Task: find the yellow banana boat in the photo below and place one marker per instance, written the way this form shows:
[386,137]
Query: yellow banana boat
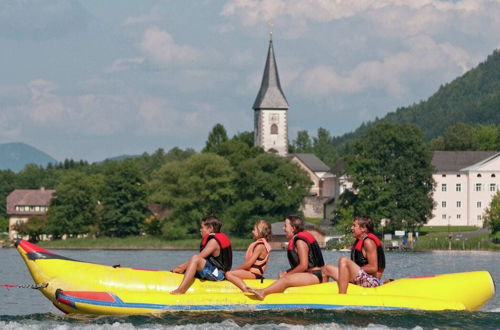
[85,288]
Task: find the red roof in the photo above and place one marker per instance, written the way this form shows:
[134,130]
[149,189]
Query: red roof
[28,197]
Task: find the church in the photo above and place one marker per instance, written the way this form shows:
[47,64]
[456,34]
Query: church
[271,134]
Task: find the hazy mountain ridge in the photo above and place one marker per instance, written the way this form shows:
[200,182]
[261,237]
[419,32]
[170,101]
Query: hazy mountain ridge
[15,155]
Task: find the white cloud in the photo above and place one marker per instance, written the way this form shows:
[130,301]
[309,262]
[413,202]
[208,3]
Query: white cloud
[152,17]
[393,73]
[124,64]
[161,47]
[45,107]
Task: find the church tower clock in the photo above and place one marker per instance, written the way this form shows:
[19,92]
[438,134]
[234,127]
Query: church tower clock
[271,109]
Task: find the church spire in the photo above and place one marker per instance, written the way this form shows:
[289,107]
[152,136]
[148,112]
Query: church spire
[270,95]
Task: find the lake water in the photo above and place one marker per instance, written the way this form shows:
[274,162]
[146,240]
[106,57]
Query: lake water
[27,308]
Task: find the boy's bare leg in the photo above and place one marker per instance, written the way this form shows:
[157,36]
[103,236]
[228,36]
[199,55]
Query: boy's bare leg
[330,271]
[196,263]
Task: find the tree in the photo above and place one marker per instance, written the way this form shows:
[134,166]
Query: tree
[458,138]
[323,147]
[267,186]
[8,184]
[73,210]
[486,137]
[123,200]
[35,227]
[217,136]
[391,173]
[245,137]
[492,214]
[193,188]
[303,143]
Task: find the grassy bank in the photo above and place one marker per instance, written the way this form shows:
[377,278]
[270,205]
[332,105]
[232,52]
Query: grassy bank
[134,243]
[454,238]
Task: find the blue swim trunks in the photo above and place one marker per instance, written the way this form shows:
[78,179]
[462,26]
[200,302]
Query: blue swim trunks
[210,273]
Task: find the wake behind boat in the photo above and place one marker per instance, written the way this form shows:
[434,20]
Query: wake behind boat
[86,288]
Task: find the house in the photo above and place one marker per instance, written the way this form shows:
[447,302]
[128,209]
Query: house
[22,204]
[323,184]
[278,238]
[465,182]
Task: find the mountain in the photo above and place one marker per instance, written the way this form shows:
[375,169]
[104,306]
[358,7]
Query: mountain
[14,156]
[473,98]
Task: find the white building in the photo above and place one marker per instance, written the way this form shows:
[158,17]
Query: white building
[465,183]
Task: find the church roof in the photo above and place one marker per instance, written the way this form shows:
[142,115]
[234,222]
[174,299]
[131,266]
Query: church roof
[270,94]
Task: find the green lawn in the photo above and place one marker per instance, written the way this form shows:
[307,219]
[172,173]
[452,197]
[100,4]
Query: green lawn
[134,242]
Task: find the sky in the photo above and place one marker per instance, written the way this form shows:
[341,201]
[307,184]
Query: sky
[94,79]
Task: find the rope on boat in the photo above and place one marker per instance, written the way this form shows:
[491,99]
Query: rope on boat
[25,286]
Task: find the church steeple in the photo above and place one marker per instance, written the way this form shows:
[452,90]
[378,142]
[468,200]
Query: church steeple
[270,95]
[271,109]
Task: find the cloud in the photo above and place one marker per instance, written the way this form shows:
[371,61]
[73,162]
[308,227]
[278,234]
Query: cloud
[124,64]
[393,73]
[152,17]
[161,47]
[40,19]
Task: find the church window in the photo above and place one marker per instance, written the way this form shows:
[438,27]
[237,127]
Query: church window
[274,129]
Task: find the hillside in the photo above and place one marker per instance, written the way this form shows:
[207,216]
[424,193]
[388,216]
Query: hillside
[473,98]
[14,156]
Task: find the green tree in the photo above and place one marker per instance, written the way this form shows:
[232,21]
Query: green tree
[323,147]
[4,224]
[217,136]
[8,184]
[392,176]
[73,210]
[245,137]
[302,144]
[192,189]
[458,138]
[267,186]
[492,214]
[123,200]
[34,228]
[486,137]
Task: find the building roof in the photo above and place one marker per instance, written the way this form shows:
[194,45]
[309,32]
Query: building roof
[312,162]
[454,161]
[28,197]
[270,95]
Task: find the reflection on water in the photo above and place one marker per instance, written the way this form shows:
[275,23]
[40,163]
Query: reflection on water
[21,308]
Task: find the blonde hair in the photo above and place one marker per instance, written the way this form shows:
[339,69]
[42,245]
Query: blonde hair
[263,228]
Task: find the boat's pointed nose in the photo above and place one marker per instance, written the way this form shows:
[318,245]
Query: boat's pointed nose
[28,247]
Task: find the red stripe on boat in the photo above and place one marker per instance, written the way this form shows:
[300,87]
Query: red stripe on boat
[30,247]
[91,295]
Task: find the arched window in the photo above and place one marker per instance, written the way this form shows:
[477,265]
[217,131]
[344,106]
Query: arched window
[274,129]
[493,175]
[479,175]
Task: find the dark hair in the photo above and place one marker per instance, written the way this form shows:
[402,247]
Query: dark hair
[365,222]
[263,228]
[212,221]
[296,222]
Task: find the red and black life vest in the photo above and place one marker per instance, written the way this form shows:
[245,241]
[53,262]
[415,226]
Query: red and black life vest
[315,257]
[225,259]
[357,253]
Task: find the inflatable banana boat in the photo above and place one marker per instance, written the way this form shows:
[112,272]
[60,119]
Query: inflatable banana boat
[85,288]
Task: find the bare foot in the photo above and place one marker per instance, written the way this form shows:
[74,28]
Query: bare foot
[177,291]
[257,293]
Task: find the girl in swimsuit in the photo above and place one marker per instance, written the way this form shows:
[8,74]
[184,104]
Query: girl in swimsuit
[256,257]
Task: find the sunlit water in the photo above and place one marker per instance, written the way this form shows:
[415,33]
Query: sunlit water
[28,309]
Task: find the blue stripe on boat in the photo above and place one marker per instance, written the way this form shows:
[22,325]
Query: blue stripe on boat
[120,304]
